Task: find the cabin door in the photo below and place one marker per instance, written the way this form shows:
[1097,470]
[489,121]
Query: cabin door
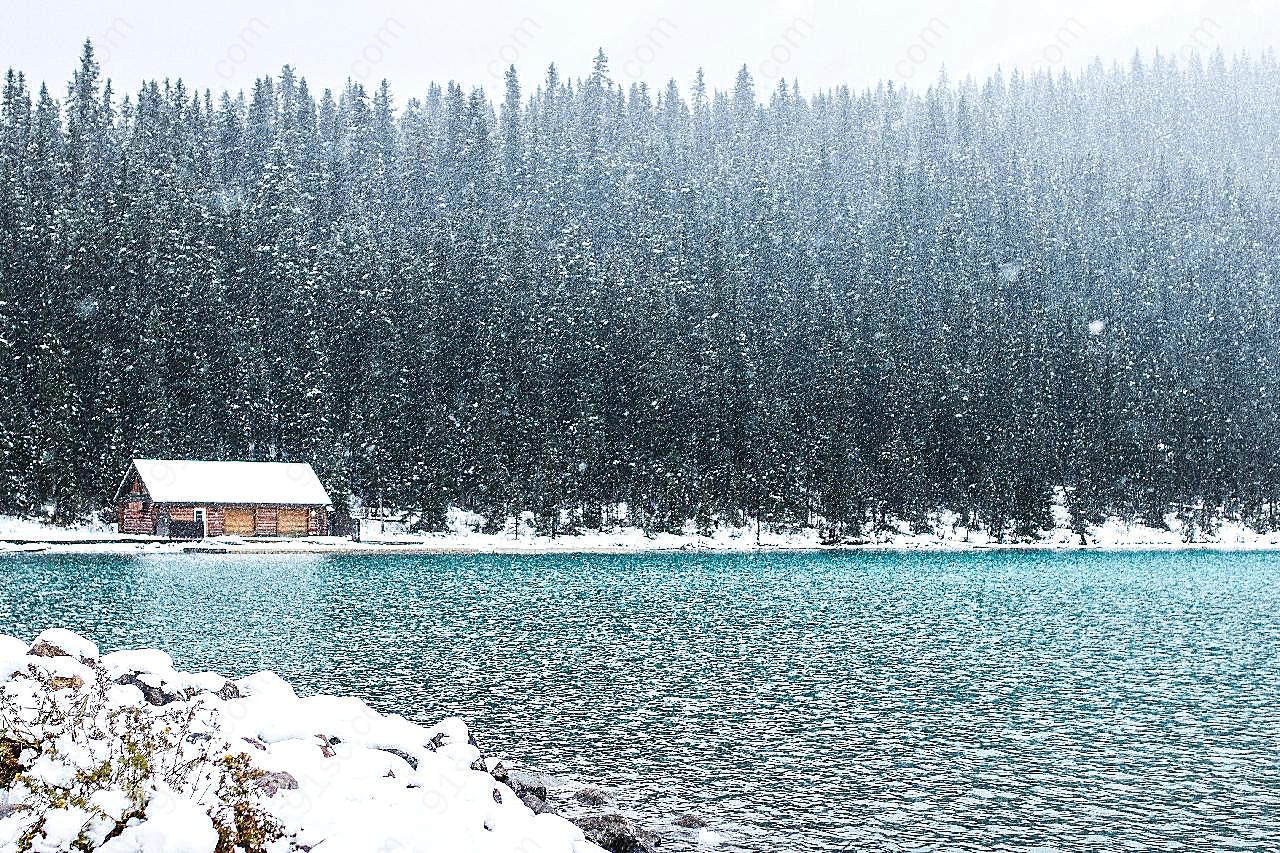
[239,521]
[292,522]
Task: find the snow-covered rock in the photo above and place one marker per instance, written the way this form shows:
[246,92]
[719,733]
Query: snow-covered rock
[151,672]
[90,755]
[59,642]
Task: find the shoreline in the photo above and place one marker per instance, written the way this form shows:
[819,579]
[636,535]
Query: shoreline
[444,545]
[944,534]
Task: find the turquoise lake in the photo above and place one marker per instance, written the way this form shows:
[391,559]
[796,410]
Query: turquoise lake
[877,701]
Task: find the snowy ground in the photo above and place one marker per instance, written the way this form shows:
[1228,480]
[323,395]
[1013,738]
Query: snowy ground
[121,753]
[16,527]
[18,534]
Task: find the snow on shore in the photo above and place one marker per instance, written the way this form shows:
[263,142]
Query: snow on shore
[944,534]
[463,536]
[121,753]
[18,527]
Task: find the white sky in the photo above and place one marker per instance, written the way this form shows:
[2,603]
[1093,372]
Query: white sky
[226,43]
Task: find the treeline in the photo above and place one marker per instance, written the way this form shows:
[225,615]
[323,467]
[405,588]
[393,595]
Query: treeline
[702,304]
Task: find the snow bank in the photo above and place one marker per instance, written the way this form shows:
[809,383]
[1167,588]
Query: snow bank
[125,754]
[943,531]
[21,527]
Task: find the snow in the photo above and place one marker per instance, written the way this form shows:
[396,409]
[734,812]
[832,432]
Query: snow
[62,827]
[19,527]
[136,660]
[329,780]
[708,838]
[945,532]
[178,826]
[13,653]
[463,534]
[191,481]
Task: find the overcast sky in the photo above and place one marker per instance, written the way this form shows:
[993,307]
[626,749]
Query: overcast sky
[226,44]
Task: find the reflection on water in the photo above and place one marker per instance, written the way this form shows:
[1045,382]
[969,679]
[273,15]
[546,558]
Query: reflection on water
[795,701]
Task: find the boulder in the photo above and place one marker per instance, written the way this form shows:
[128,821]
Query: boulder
[138,660]
[277,780]
[151,671]
[59,642]
[535,804]
[264,684]
[525,783]
[690,821]
[591,796]
[617,834]
[399,753]
[209,682]
[529,788]
[153,694]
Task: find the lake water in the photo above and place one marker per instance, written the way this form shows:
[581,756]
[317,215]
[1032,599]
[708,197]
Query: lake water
[989,701]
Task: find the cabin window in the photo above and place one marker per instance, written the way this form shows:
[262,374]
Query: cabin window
[199,515]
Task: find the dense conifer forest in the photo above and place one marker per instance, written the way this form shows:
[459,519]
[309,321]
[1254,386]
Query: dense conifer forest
[761,303]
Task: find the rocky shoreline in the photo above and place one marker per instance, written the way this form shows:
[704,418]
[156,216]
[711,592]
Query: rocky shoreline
[122,753]
[609,829]
[602,819]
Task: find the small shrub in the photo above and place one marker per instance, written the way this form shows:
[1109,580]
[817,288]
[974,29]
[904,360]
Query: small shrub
[241,824]
[10,763]
[135,750]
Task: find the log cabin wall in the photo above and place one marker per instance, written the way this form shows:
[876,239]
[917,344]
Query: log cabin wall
[264,521]
[214,521]
[136,518]
[179,512]
[214,516]
[266,518]
[317,522]
[134,514]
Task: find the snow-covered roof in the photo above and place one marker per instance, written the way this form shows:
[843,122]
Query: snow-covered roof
[191,481]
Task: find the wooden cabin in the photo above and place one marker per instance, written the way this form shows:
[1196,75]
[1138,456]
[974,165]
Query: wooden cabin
[191,499]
